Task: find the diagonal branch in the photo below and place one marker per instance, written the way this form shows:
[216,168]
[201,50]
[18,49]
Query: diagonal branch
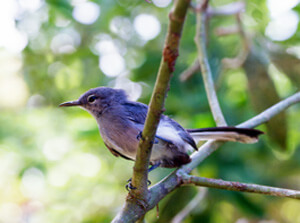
[173,181]
[190,206]
[141,200]
[237,186]
[189,72]
[270,112]
[200,41]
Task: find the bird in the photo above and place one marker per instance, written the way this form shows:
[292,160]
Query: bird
[121,123]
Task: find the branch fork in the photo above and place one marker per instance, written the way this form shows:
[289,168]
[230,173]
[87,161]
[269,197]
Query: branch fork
[142,199]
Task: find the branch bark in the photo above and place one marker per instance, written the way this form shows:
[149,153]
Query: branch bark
[137,200]
[141,200]
[191,206]
[226,10]
[173,181]
[237,186]
[200,41]
[188,73]
[270,112]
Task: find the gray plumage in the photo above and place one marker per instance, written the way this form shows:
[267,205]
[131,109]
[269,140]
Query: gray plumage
[121,121]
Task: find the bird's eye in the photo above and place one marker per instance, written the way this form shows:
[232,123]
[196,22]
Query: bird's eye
[91,99]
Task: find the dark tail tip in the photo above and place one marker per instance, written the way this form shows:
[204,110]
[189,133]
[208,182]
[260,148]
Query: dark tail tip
[246,131]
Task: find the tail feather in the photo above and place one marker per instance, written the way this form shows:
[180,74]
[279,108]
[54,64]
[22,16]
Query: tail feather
[244,135]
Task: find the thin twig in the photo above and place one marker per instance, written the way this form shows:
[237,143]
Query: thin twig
[225,10]
[209,147]
[141,220]
[237,186]
[191,206]
[200,40]
[270,112]
[239,60]
[188,73]
[173,181]
[226,31]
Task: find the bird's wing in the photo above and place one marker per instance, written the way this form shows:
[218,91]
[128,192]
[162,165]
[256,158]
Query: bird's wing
[183,134]
[136,112]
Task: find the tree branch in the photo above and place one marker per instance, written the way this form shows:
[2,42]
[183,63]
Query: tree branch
[200,41]
[188,73]
[141,200]
[226,10]
[137,200]
[237,186]
[171,182]
[271,112]
[239,60]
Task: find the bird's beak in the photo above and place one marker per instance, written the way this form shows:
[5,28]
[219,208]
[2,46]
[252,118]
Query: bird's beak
[70,103]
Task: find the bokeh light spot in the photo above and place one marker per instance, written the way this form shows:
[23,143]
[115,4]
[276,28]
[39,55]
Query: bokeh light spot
[283,27]
[31,5]
[56,148]
[122,27]
[112,64]
[33,183]
[87,165]
[57,177]
[133,90]
[147,26]
[13,92]
[105,47]
[86,12]
[63,43]
[12,39]
[10,212]
[277,7]
[161,3]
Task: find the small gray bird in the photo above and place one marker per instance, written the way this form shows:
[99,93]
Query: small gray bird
[121,122]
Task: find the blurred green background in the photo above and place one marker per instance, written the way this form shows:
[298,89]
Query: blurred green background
[53,164]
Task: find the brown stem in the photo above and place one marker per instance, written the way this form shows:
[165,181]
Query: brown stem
[237,186]
[137,200]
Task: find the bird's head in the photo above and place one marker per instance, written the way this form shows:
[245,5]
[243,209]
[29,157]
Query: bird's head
[96,100]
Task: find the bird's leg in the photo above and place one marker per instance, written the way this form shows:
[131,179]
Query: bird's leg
[129,185]
[140,136]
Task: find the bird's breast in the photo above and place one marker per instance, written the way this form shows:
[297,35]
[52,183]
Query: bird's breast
[121,137]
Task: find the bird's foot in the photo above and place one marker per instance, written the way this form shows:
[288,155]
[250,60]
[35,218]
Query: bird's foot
[129,185]
[140,136]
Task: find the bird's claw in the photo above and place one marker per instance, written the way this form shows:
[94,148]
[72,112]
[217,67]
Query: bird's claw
[140,136]
[129,185]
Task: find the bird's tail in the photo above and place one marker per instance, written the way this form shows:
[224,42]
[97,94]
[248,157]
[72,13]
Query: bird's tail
[243,135]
